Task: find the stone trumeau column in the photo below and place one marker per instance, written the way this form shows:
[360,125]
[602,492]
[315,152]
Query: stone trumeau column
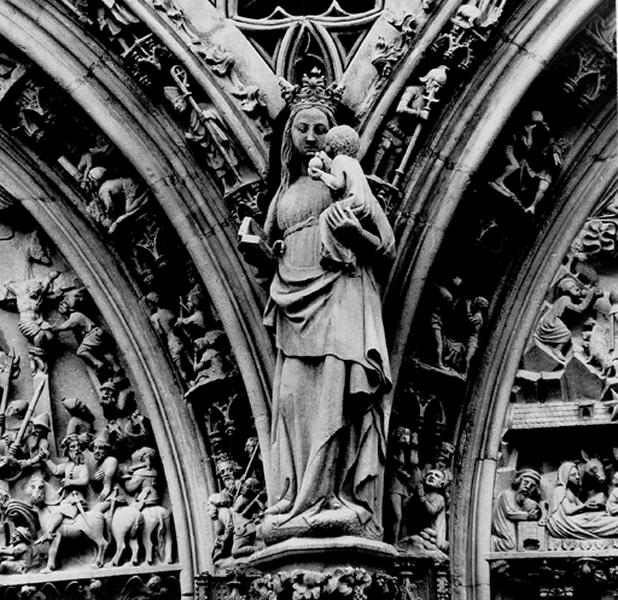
[308,300]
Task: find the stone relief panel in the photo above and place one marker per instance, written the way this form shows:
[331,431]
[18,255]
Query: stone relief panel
[417,467]
[555,493]
[120,205]
[136,587]
[81,483]
[502,210]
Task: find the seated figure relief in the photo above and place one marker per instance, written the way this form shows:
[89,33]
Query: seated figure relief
[575,502]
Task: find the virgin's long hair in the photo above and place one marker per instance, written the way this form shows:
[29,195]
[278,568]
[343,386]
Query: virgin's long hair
[291,166]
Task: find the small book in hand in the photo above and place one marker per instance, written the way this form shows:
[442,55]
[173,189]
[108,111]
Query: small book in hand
[252,243]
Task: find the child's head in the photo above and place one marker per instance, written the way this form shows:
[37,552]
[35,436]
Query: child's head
[342,139]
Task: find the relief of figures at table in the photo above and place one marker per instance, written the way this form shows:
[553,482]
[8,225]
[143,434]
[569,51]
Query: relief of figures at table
[81,483]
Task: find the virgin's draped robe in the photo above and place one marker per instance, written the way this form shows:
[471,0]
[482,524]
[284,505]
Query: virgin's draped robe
[328,422]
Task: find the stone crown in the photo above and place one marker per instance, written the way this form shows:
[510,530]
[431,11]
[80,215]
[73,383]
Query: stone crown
[314,91]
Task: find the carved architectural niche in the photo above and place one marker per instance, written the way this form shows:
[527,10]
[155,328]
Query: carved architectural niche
[588,69]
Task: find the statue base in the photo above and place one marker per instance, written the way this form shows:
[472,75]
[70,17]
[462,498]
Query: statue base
[327,568]
[323,554]
[320,524]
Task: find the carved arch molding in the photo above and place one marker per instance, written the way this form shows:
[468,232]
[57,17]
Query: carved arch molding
[135,369]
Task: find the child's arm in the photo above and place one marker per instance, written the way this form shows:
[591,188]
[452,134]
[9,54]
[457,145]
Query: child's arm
[333,181]
[337,178]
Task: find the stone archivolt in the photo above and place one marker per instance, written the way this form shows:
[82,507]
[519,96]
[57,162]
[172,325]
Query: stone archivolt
[548,505]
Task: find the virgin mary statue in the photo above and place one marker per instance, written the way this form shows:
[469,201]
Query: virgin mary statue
[328,414]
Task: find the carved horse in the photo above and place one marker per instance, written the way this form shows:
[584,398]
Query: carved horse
[157,523]
[44,502]
[593,480]
[126,522]
[152,521]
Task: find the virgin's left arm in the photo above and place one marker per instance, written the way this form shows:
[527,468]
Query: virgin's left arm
[351,232]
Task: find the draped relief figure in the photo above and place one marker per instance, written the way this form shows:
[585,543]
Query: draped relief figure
[328,415]
[518,503]
[570,515]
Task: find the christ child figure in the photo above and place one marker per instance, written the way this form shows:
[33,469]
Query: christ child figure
[338,167]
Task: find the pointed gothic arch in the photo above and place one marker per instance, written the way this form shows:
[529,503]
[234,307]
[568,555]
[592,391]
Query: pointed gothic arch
[470,121]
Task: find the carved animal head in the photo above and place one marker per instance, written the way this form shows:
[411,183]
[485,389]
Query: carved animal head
[592,470]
